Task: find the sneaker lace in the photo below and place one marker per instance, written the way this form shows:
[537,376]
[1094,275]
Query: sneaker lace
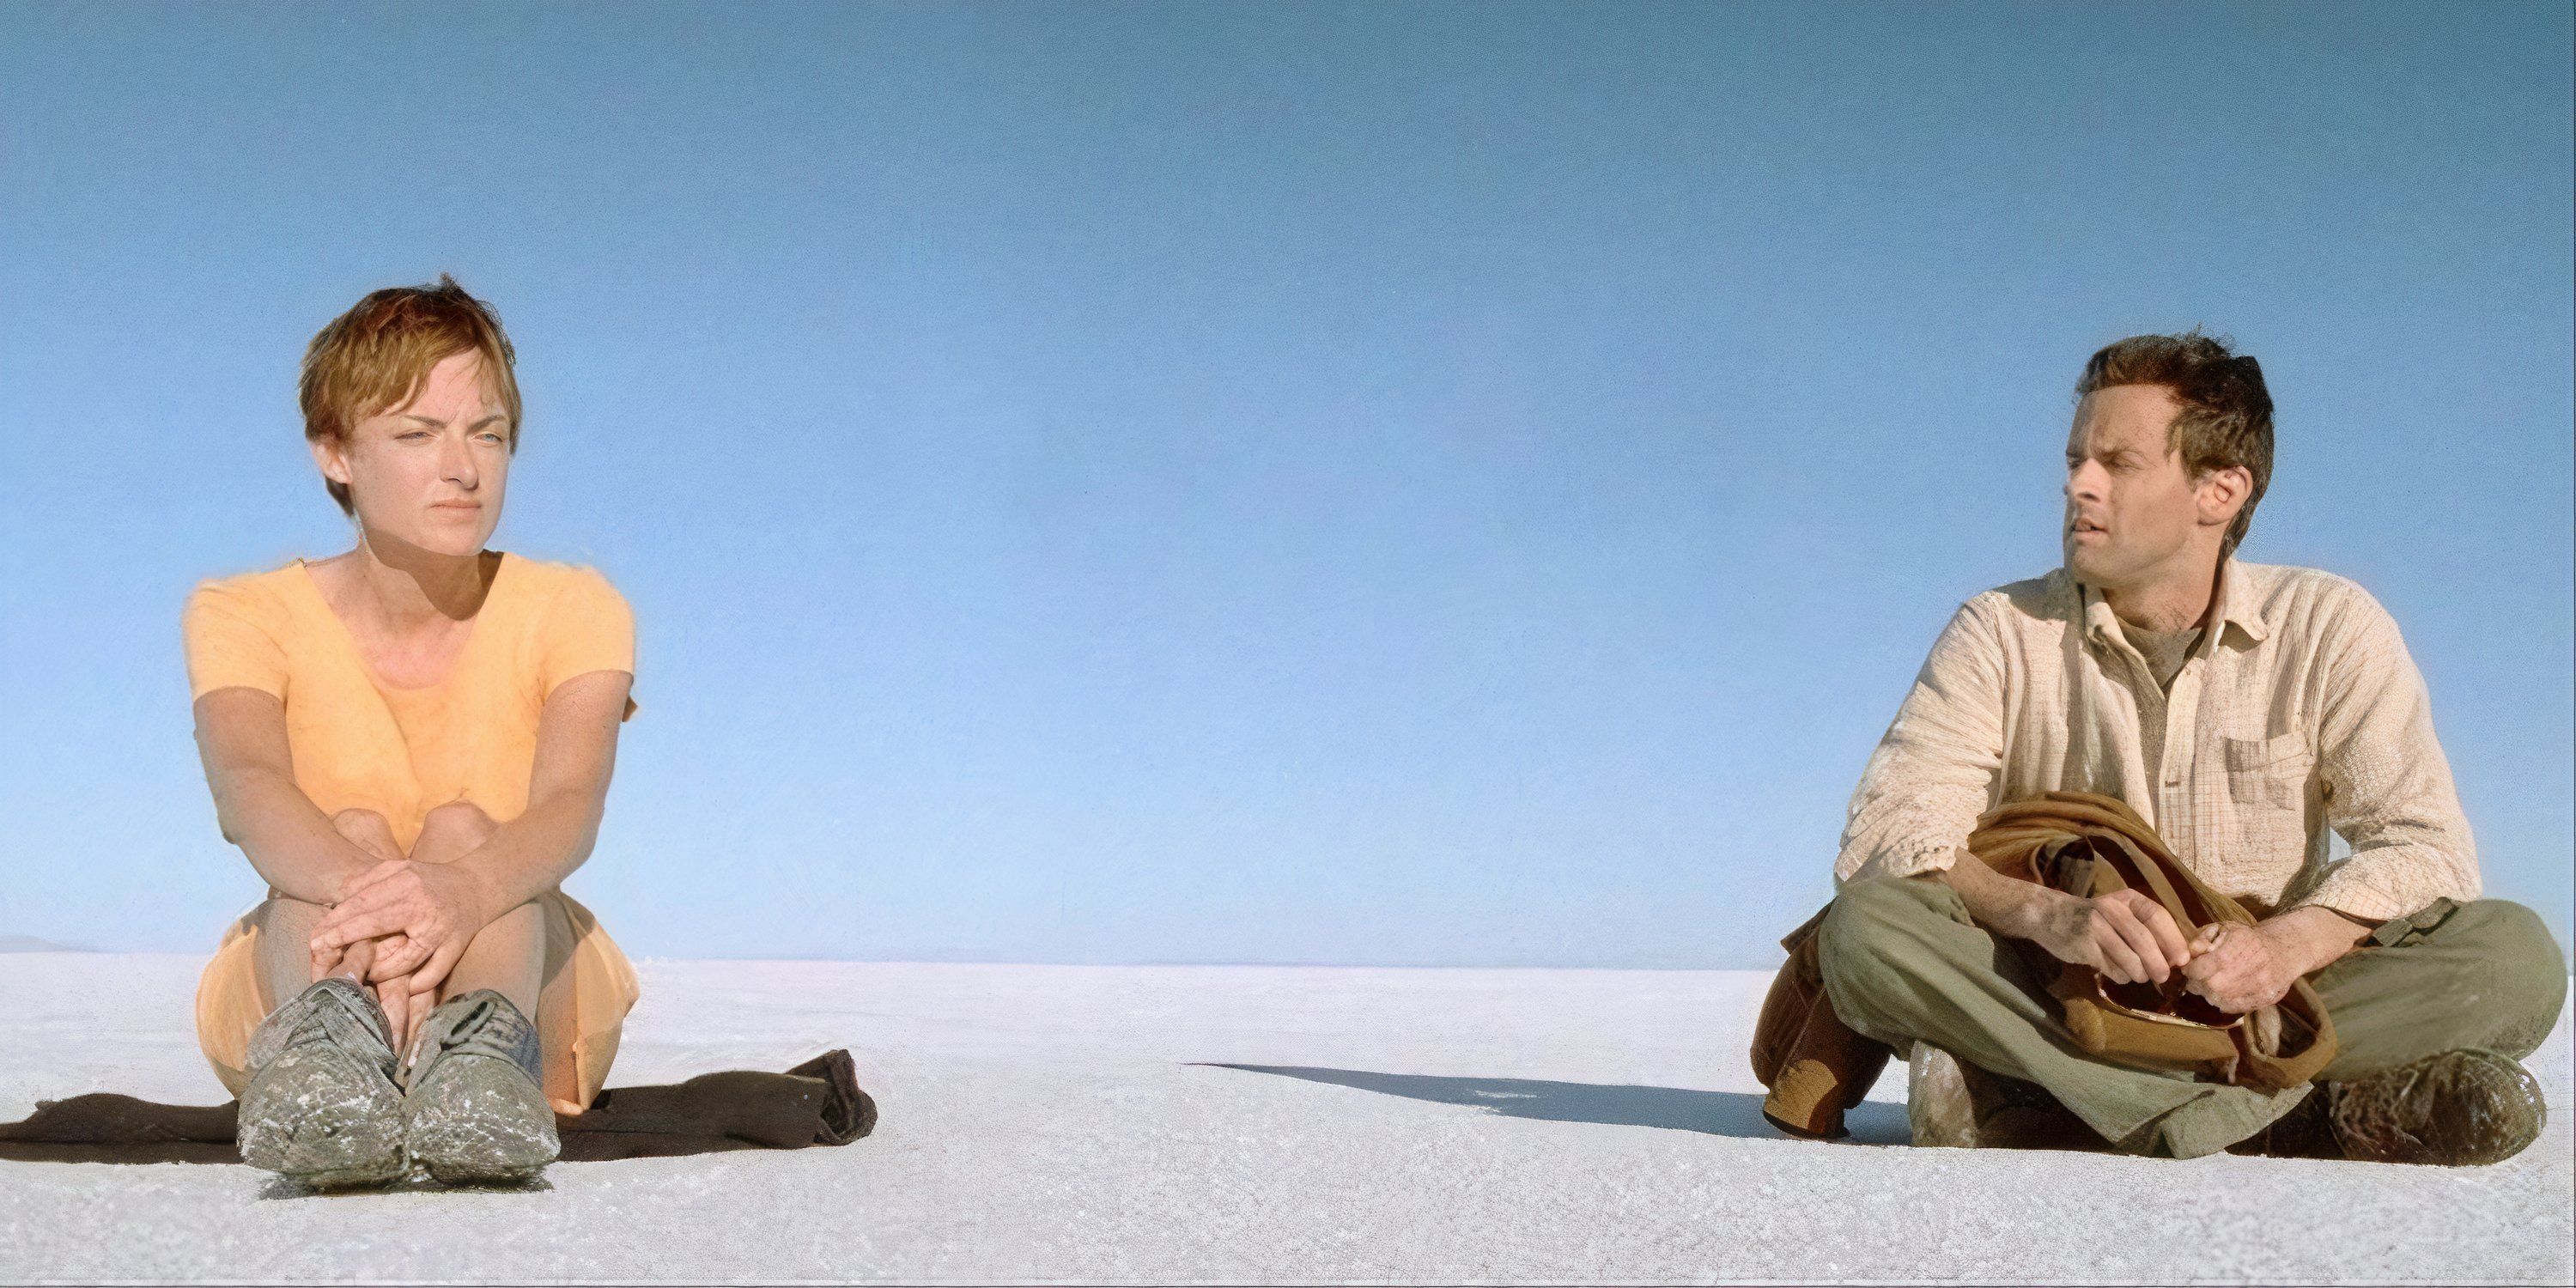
[337,1013]
[488,1025]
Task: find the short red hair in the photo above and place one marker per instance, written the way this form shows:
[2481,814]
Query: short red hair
[376,356]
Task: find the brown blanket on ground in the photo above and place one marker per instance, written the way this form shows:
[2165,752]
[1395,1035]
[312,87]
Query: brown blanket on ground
[815,1103]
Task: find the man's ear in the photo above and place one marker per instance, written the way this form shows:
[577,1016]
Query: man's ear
[2221,493]
[327,456]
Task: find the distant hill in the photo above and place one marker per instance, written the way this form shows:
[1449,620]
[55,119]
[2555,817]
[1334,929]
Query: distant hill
[31,944]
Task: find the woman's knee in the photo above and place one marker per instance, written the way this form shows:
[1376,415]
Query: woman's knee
[508,953]
[452,829]
[520,927]
[282,915]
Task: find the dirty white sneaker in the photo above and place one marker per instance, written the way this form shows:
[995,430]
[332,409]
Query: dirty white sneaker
[321,1108]
[476,1112]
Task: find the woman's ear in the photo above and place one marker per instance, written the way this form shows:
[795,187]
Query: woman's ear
[329,458]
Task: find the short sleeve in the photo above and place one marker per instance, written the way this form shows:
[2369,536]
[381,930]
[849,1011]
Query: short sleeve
[232,639]
[587,627]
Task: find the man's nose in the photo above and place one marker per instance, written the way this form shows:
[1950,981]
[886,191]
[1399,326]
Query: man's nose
[2085,480]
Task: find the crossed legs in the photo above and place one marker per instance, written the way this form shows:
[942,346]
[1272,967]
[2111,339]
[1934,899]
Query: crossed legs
[1903,961]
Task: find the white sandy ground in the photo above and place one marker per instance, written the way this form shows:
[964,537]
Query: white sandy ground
[1048,1123]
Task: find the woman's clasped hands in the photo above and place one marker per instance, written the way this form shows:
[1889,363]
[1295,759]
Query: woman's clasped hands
[401,924]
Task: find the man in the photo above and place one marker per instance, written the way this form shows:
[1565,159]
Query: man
[2244,711]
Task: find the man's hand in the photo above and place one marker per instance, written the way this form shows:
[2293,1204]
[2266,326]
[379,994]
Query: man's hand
[2245,968]
[2240,968]
[2127,936]
[435,909]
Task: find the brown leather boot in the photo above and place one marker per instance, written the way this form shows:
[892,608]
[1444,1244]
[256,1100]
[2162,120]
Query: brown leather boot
[2455,1109]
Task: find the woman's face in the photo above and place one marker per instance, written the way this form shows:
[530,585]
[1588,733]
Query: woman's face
[431,472]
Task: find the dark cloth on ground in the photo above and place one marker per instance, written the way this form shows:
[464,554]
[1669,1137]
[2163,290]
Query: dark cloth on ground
[816,1103]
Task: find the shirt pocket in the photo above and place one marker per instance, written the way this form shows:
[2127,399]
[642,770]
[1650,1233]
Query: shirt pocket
[2268,773]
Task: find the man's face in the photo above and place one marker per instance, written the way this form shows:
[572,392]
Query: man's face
[2131,509]
[431,472]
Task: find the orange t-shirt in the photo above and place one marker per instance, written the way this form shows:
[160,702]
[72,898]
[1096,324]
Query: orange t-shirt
[360,743]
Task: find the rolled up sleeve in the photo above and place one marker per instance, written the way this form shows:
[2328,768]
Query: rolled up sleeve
[2389,791]
[1934,771]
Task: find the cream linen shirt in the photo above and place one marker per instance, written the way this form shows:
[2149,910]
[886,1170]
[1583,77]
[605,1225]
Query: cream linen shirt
[2299,711]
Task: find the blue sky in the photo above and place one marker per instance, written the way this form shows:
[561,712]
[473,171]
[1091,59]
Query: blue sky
[1407,484]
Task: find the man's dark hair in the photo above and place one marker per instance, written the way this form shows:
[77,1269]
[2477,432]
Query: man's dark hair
[2226,416]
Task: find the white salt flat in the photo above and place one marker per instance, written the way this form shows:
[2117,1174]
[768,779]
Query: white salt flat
[1166,1124]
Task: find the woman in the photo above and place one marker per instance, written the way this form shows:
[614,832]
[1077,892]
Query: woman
[411,742]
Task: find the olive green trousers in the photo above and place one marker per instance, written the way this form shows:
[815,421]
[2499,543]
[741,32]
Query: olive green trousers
[1903,963]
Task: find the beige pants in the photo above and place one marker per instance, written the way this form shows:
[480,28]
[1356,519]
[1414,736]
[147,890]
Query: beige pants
[588,988]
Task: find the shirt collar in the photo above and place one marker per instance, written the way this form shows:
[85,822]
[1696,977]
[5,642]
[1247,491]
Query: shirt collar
[2236,606]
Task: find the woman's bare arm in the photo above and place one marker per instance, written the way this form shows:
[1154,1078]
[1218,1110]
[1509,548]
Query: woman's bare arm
[241,737]
[440,906]
[567,793]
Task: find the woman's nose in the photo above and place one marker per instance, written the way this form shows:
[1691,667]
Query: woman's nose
[456,465]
